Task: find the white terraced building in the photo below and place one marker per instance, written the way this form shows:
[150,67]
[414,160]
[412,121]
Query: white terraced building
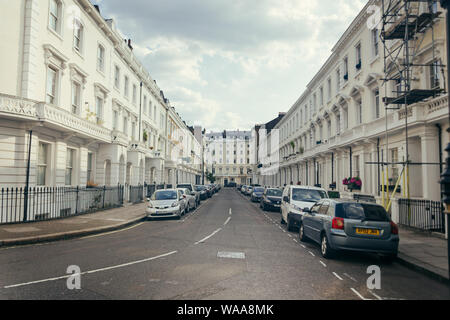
[337,127]
[95,114]
[228,156]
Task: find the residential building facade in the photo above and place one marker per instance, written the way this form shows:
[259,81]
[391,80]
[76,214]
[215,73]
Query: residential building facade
[72,86]
[228,156]
[339,126]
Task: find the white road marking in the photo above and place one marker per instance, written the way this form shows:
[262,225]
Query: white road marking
[337,276]
[231,255]
[358,294]
[206,238]
[350,277]
[226,222]
[230,212]
[312,253]
[294,240]
[289,236]
[303,246]
[91,271]
[323,263]
[375,295]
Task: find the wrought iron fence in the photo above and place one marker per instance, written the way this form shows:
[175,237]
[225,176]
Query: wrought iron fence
[422,214]
[45,203]
[136,194]
[150,189]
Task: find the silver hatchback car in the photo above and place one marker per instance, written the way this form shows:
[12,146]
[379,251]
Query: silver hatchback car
[166,203]
[349,225]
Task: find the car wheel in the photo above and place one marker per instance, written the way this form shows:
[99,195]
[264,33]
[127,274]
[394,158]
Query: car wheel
[301,234]
[325,249]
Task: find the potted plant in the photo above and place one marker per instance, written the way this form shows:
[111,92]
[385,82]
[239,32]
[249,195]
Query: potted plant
[91,184]
[301,150]
[145,136]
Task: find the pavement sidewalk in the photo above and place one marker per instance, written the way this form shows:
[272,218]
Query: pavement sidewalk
[77,226]
[424,252]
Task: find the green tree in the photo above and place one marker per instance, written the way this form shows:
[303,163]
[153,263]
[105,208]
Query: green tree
[210,177]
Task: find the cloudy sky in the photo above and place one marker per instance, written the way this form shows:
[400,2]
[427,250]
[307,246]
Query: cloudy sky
[229,64]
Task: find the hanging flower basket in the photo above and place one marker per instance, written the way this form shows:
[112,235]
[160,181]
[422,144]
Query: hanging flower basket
[352,183]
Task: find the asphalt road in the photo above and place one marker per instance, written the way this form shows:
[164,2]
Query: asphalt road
[227,249]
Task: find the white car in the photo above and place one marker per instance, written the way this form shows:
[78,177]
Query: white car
[189,199]
[295,199]
[166,203]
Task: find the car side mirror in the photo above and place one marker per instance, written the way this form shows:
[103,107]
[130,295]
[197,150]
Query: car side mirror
[307,210]
[184,196]
[286,199]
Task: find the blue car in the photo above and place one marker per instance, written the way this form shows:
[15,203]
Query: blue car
[257,194]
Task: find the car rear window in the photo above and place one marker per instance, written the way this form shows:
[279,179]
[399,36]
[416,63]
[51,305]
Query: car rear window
[258,189]
[165,195]
[361,211]
[187,186]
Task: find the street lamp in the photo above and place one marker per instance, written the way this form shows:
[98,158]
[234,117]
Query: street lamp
[445,177]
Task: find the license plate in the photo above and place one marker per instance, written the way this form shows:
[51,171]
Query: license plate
[372,232]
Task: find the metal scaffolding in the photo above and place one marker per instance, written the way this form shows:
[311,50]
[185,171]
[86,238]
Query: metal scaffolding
[404,26]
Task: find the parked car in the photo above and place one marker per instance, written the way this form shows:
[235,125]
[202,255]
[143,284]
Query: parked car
[271,199]
[191,188]
[295,199]
[257,194]
[248,190]
[243,189]
[189,198]
[166,203]
[202,190]
[338,224]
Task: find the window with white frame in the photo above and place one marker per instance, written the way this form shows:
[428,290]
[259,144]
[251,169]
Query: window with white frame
[145,105]
[76,97]
[115,119]
[55,16]
[133,130]
[345,69]
[338,80]
[134,100]
[328,129]
[338,124]
[376,96]
[42,164]
[358,56]
[69,166]
[356,170]
[359,114]
[329,89]
[126,86]
[321,96]
[101,58]
[375,42]
[434,74]
[99,110]
[90,158]
[125,125]
[52,85]
[117,77]
[78,34]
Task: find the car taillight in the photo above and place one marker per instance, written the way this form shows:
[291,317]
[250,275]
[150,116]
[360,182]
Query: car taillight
[337,223]
[394,228]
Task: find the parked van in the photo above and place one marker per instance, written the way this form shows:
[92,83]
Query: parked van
[295,199]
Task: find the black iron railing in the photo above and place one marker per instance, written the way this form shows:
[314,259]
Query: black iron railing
[45,203]
[422,214]
[136,194]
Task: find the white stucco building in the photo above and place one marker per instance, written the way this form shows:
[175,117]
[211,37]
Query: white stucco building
[339,128]
[228,156]
[95,113]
